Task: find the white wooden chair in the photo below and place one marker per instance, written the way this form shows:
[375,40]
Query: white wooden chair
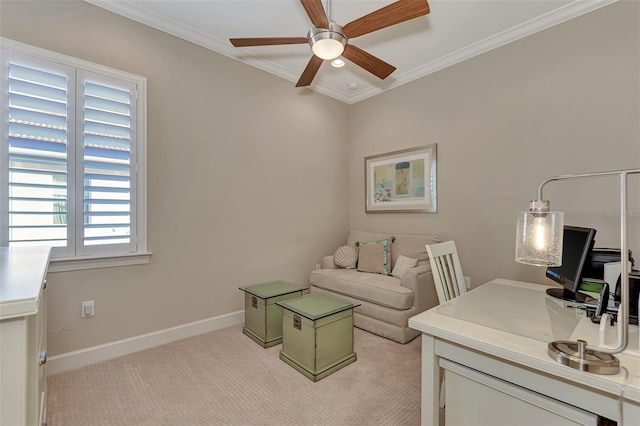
[447,276]
[447,271]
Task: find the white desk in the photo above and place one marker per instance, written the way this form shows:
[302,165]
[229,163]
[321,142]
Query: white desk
[492,344]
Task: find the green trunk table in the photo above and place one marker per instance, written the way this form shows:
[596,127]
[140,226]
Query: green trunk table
[262,317]
[317,334]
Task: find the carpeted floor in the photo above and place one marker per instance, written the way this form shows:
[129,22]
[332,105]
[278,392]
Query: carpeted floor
[224,378]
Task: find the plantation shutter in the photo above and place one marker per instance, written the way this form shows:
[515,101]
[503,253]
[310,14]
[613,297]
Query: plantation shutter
[107,121]
[38,203]
[71,138]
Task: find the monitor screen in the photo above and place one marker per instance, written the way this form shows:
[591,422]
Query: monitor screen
[577,244]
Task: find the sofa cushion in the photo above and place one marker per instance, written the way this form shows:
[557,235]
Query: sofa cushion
[346,257]
[374,256]
[383,290]
[403,264]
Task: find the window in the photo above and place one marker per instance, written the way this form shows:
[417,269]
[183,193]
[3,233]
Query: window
[73,157]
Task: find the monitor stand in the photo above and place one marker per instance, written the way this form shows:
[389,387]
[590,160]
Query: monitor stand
[568,295]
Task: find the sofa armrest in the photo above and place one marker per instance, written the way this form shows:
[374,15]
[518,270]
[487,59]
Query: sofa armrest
[327,263]
[420,280]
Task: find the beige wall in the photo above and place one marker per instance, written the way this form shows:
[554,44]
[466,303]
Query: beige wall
[243,188]
[565,100]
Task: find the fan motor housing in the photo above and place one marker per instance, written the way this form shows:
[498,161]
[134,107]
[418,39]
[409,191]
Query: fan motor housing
[333,33]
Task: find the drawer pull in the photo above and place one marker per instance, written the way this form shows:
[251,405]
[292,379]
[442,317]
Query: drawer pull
[254,302]
[43,358]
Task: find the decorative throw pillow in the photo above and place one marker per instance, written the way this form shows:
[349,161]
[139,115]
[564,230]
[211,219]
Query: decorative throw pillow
[346,257]
[375,256]
[403,264]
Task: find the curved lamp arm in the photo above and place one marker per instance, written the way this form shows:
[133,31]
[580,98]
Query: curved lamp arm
[623,323]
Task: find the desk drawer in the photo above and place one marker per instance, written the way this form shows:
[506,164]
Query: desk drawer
[468,392]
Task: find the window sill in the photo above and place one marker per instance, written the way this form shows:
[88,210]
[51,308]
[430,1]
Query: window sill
[64,264]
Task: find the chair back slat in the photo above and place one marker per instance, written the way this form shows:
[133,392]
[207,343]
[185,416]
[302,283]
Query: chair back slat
[446,269]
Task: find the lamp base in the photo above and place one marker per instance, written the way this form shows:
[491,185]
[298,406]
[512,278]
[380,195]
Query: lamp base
[575,355]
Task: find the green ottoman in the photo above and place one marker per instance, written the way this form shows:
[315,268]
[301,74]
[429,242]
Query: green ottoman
[317,334]
[262,317]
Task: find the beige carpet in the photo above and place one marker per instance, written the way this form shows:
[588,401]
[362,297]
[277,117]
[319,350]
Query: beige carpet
[224,378]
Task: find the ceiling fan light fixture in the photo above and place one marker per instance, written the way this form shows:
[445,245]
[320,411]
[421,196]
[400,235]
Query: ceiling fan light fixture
[327,43]
[331,42]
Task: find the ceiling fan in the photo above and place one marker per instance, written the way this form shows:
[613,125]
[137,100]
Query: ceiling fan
[328,40]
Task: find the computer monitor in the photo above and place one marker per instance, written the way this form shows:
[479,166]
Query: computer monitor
[576,247]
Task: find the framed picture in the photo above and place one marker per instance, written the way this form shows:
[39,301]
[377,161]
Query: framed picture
[401,181]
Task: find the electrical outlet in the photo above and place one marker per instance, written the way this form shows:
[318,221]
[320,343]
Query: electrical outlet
[467,282]
[318,266]
[88,308]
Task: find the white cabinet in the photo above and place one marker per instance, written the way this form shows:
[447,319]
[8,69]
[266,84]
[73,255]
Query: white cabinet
[23,335]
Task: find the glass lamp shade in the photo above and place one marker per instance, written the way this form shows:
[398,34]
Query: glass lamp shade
[539,238]
[327,43]
[327,48]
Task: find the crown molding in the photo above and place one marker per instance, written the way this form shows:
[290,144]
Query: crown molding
[173,27]
[541,23]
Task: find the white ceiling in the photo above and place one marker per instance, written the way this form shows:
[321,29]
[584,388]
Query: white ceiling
[455,30]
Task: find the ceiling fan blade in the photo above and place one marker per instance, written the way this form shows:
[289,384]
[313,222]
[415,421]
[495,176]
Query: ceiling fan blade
[267,41]
[375,66]
[395,13]
[309,72]
[316,13]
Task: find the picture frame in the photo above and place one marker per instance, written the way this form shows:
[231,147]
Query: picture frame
[402,181]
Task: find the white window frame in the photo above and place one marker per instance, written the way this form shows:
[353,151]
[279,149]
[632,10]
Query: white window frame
[138,253]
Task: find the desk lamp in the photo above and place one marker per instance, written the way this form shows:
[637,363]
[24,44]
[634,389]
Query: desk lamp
[539,242]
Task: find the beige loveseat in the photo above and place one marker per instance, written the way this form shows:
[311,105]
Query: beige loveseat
[386,302]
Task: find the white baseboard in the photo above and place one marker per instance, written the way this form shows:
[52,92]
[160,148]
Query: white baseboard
[82,357]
